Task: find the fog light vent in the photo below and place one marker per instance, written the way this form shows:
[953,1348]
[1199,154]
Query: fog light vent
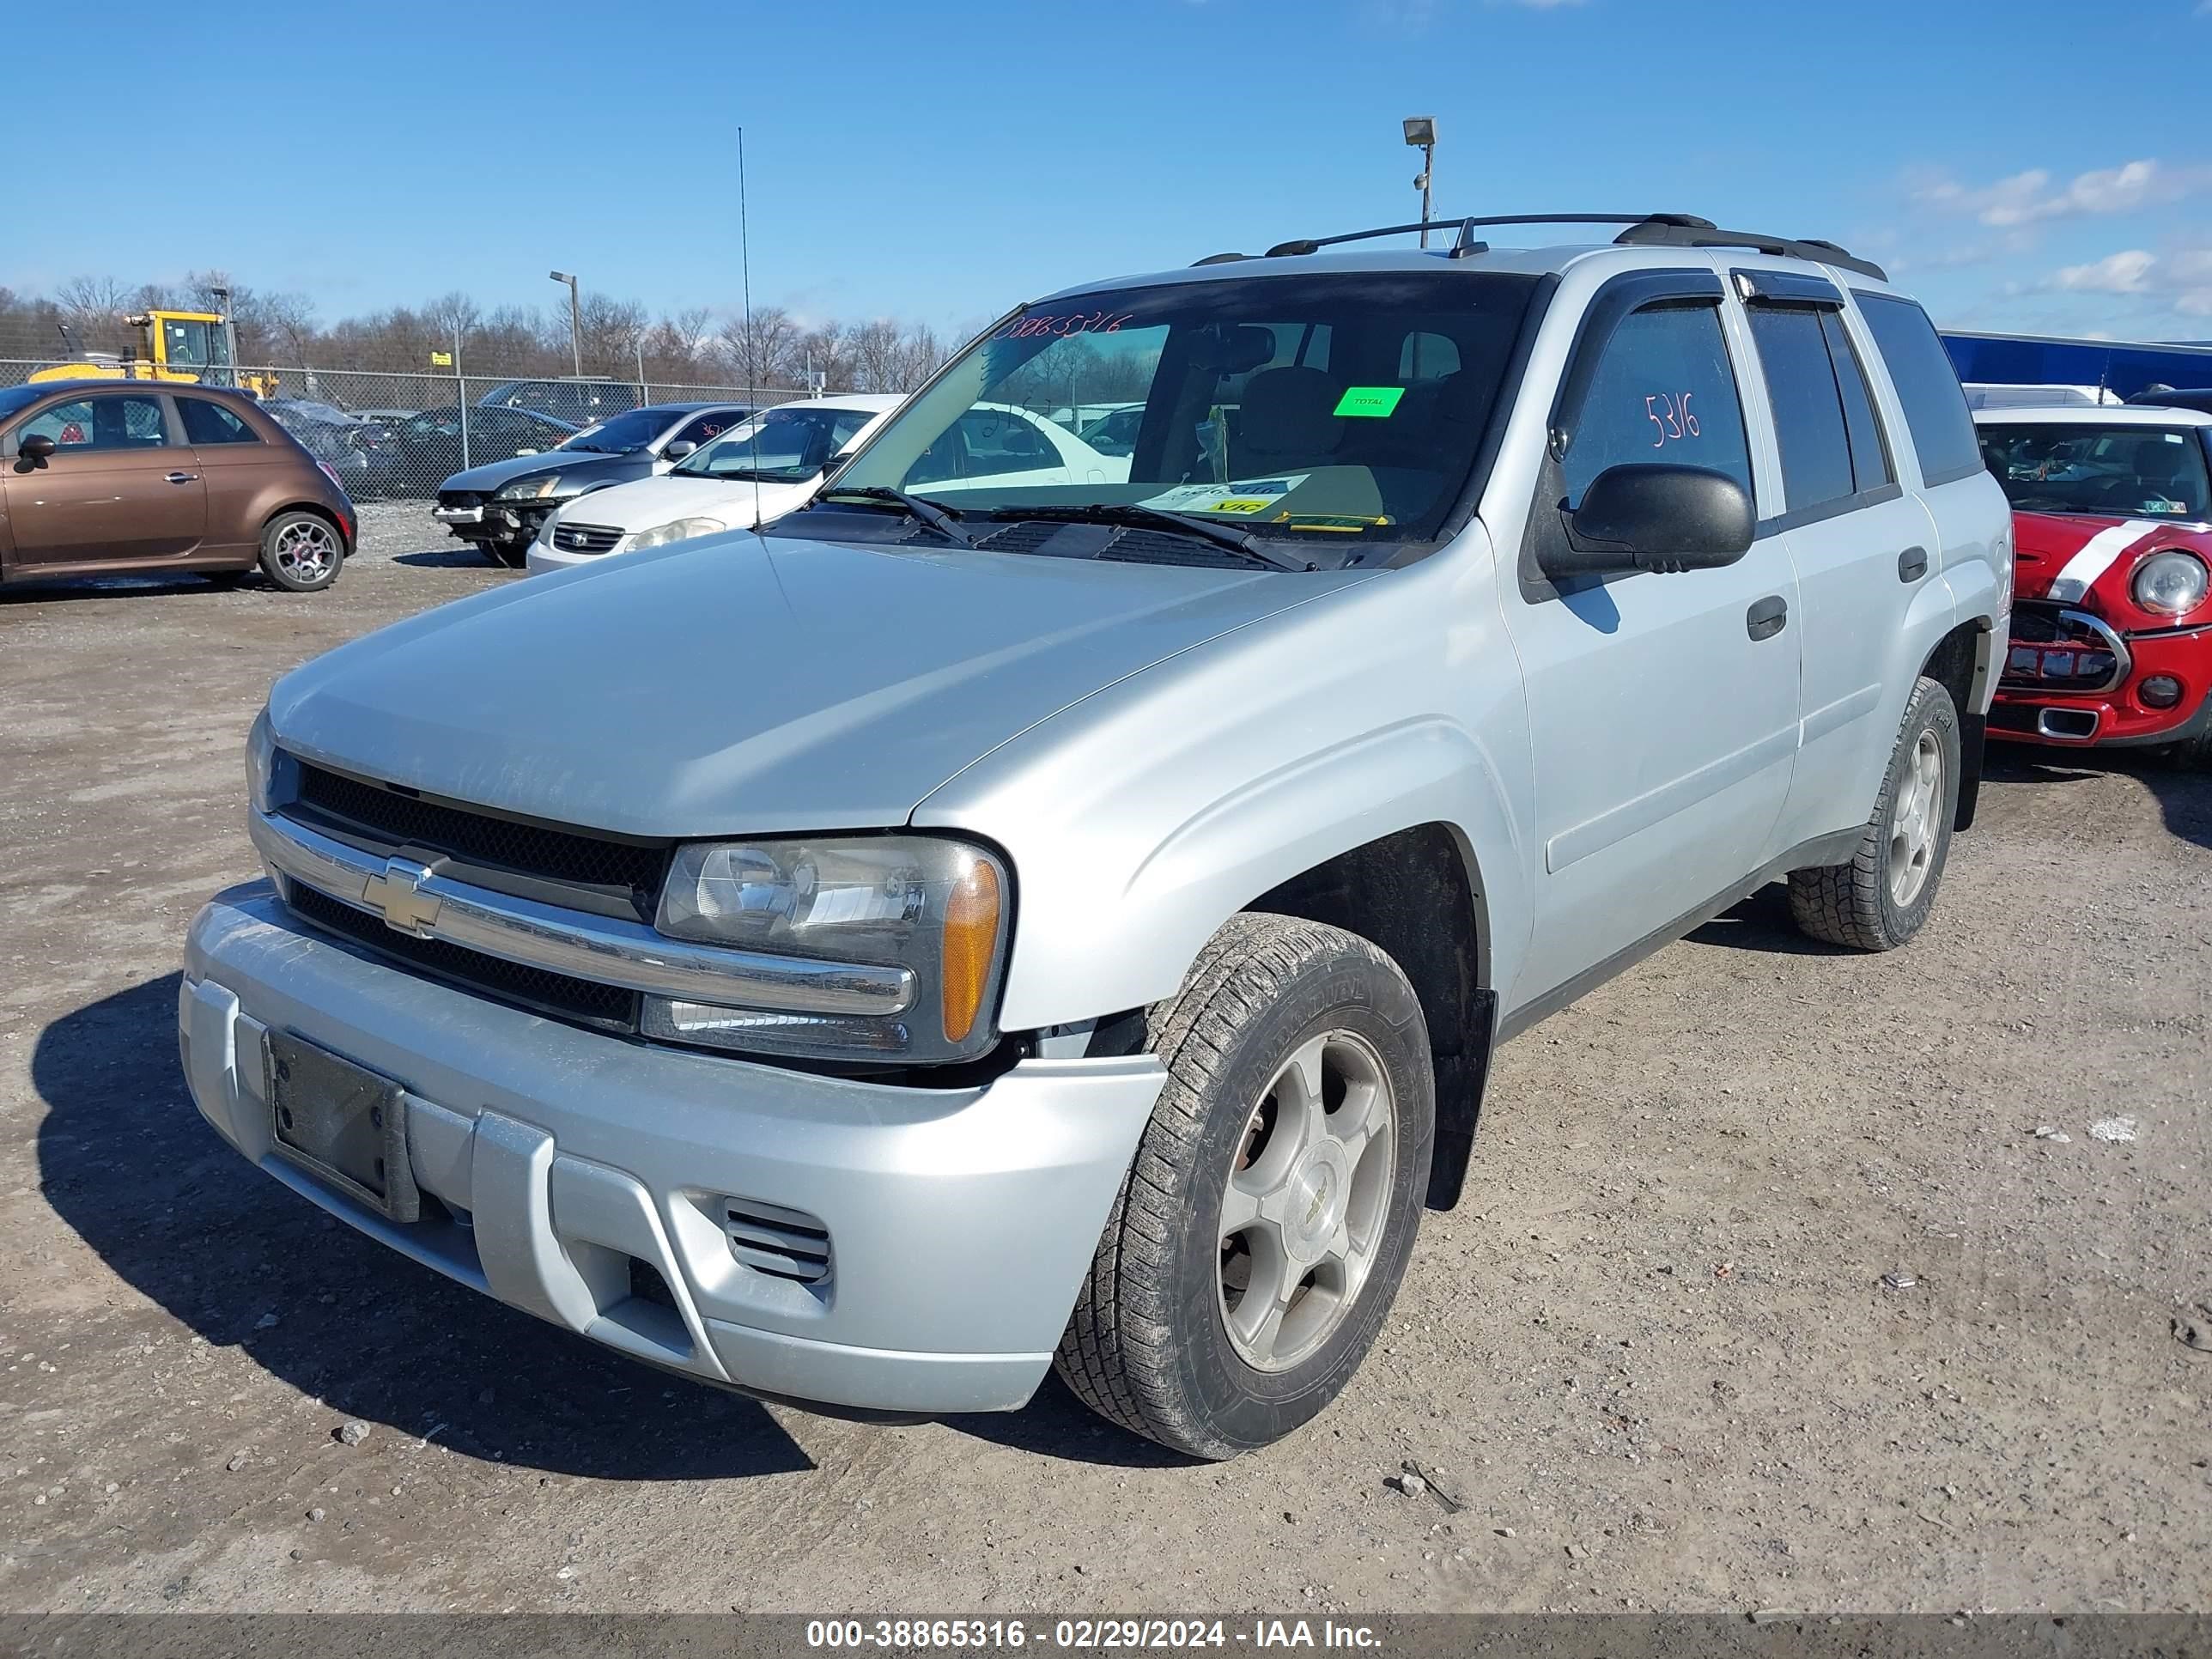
[782,1243]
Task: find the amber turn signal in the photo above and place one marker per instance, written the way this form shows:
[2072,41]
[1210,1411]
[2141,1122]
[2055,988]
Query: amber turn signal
[971,940]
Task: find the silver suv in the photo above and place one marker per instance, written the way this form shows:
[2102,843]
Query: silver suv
[1027,912]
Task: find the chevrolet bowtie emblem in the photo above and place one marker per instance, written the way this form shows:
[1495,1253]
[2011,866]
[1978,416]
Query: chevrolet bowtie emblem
[398,893]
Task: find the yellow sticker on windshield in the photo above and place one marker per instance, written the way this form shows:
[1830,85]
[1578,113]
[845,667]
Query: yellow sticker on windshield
[1244,504]
[1373,401]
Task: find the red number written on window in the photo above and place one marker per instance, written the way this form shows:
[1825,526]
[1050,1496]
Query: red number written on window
[1671,416]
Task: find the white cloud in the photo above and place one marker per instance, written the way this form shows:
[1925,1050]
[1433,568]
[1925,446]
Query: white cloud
[2116,273]
[2179,282]
[2030,198]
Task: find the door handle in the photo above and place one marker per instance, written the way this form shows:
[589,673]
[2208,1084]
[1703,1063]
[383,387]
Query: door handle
[183,477]
[1766,617]
[1913,564]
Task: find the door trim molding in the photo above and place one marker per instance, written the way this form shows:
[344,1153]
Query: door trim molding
[1617,824]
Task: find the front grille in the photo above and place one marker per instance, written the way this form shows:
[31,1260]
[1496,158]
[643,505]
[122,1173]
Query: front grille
[460,498]
[536,989]
[397,819]
[586,538]
[2054,649]
[782,1243]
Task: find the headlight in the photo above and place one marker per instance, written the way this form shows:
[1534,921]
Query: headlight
[2171,583]
[680,529]
[261,763]
[937,908]
[530,490]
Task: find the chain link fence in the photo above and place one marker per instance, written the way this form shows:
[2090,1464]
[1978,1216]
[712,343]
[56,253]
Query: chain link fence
[391,436]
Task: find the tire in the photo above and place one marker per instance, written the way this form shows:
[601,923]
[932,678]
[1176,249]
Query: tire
[1150,1346]
[2195,753]
[1881,898]
[301,551]
[510,555]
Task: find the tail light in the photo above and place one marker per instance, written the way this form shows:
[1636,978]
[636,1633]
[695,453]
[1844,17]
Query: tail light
[331,472]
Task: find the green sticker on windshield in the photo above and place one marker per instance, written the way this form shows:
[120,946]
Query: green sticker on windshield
[1370,400]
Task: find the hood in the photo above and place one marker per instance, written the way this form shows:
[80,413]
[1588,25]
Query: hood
[734,685]
[491,475]
[2068,556]
[649,501]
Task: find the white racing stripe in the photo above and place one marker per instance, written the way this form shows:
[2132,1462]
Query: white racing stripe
[2096,557]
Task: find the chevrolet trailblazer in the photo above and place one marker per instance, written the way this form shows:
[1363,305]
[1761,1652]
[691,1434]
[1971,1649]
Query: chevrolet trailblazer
[978,925]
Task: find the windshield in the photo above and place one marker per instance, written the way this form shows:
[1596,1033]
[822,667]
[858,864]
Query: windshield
[2116,470]
[185,345]
[619,434]
[1344,407]
[779,446]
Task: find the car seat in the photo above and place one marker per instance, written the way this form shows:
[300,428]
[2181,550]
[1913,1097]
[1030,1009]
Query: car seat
[1288,420]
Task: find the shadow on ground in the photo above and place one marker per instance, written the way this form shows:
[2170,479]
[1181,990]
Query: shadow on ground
[456,557]
[117,588]
[125,1160]
[2183,793]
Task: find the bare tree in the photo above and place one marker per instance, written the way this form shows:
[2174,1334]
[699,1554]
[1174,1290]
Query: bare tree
[90,300]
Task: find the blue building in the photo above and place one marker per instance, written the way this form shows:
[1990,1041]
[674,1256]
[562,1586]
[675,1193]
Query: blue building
[2121,366]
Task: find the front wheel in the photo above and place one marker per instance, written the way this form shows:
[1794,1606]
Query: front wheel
[301,552]
[1881,898]
[1259,1236]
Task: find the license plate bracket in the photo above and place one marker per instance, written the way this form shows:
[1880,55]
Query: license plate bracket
[342,1122]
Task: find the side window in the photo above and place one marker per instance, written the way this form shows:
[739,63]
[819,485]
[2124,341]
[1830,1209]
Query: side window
[1927,386]
[1427,357]
[1808,415]
[101,422]
[209,422]
[701,428]
[1664,391]
[1870,467]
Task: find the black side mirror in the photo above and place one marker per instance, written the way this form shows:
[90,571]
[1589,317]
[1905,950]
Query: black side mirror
[1654,516]
[679,450]
[36,448]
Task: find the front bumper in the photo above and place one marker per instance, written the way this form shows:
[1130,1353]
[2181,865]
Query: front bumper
[2116,716]
[496,522]
[543,557]
[961,1222]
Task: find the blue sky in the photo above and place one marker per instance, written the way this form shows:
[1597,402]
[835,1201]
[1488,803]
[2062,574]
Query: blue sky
[2033,164]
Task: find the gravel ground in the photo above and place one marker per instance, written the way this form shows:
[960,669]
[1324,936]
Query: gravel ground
[1653,1352]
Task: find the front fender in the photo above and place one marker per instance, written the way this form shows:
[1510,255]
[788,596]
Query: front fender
[1142,818]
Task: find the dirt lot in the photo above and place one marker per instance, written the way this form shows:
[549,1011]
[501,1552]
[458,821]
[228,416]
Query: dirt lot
[1652,1351]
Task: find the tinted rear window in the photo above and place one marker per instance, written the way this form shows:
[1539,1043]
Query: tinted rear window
[1928,386]
[1808,418]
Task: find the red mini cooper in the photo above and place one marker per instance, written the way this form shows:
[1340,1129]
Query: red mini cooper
[2112,614]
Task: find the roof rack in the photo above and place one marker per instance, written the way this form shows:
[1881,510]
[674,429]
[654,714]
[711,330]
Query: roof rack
[1643,230]
[1653,234]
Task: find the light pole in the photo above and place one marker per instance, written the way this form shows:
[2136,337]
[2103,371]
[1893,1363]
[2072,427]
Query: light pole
[1421,134]
[576,319]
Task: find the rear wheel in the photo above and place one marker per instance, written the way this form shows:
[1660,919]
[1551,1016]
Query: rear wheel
[1266,1221]
[300,552]
[1881,898]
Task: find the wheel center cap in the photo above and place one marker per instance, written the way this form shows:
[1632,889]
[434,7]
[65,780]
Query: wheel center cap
[1314,1201]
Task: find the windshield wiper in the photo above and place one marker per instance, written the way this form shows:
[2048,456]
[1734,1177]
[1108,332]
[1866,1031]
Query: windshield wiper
[1236,541]
[937,518]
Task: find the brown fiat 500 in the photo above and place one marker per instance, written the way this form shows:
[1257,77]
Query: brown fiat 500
[100,478]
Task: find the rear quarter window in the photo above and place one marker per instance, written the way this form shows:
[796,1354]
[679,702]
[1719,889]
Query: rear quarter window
[1927,386]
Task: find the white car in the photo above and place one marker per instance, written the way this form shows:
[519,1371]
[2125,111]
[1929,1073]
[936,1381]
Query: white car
[751,475]
[781,458]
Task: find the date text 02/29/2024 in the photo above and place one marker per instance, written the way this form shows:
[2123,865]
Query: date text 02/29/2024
[1083,1635]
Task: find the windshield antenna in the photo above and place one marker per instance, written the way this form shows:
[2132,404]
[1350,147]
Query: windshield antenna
[752,343]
